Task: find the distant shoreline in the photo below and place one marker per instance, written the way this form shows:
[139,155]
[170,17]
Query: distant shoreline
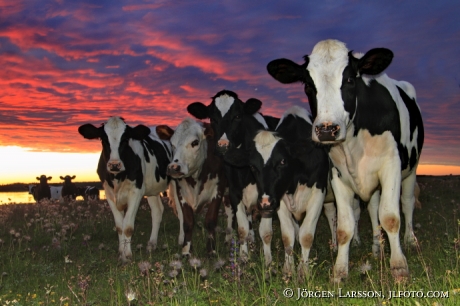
[18,187]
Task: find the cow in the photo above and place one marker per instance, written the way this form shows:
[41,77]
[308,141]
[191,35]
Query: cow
[89,193]
[199,176]
[55,191]
[132,164]
[374,129]
[42,190]
[69,189]
[234,123]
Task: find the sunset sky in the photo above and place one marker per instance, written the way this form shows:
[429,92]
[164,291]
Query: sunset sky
[67,63]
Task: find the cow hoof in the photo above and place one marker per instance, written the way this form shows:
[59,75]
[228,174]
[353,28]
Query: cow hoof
[302,271]
[356,241]
[376,250]
[400,274]
[212,254]
[151,246]
[339,275]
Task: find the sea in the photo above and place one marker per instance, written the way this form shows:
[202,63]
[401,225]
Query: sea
[23,197]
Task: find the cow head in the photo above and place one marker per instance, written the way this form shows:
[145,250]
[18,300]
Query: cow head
[43,179]
[189,144]
[226,113]
[272,166]
[115,136]
[331,76]
[67,179]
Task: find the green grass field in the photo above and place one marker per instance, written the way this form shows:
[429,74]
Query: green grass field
[53,254]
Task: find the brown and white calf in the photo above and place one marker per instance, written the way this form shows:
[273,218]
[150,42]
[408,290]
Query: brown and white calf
[200,179]
[132,165]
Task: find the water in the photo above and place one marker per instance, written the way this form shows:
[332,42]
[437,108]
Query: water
[24,197]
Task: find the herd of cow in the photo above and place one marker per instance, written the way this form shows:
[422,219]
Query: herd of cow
[361,141]
[68,191]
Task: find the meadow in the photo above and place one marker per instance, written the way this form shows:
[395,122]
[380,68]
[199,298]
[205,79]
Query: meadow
[66,254]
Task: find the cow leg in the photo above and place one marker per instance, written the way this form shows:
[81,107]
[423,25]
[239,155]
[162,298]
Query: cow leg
[230,220]
[357,215]
[390,179]
[373,209]
[128,225]
[266,234]
[174,203]
[251,235]
[156,210]
[288,233]
[407,204]
[331,214]
[243,230]
[189,220]
[211,223]
[345,225]
[118,217]
[307,229]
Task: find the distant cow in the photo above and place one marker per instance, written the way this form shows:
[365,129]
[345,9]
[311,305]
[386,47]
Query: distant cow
[234,123]
[132,164]
[42,190]
[200,178]
[56,191]
[89,193]
[69,189]
[374,127]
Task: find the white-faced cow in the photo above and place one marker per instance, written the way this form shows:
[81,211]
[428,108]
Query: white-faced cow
[42,190]
[69,189]
[374,127]
[89,193]
[235,123]
[132,164]
[200,179]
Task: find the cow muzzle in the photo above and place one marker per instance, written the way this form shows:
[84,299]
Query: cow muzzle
[222,146]
[327,132]
[114,166]
[174,171]
[266,207]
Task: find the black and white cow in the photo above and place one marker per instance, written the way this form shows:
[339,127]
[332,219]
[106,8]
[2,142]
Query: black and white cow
[69,189]
[42,190]
[374,127]
[235,123]
[132,165]
[55,191]
[290,169]
[89,193]
[200,179]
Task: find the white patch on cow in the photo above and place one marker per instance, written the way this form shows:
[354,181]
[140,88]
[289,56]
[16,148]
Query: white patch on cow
[223,103]
[56,192]
[224,137]
[327,62]
[296,111]
[189,158]
[165,143]
[114,128]
[265,142]
[250,194]
[261,120]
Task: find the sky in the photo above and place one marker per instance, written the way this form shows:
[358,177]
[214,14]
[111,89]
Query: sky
[67,63]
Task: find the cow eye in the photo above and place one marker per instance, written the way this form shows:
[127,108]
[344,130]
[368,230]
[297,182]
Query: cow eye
[195,143]
[350,81]
[237,117]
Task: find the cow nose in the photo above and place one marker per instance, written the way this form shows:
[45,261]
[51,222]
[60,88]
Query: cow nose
[327,131]
[114,166]
[265,202]
[223,143]
[173,170]
[174,167]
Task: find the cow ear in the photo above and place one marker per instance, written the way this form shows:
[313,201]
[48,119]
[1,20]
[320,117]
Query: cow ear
[89,131]
[49,178]
[73,177]
[198,110]
[38,178]
[252,106]
[375,61]
[140,132]
[61,177]
[164,132]
[208,131]
[286,71]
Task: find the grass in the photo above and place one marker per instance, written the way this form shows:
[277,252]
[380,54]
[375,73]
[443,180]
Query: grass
[53,254]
